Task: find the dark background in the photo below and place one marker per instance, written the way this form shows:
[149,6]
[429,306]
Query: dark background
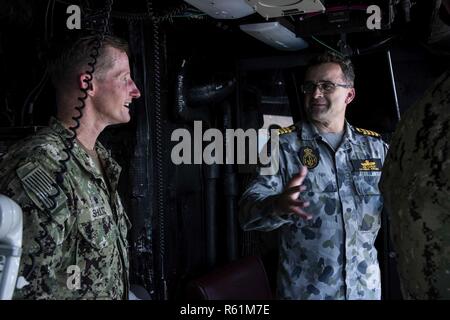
[185,217]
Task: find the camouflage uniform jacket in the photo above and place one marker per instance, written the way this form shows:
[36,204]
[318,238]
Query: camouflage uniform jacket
[416,186]
[331,256]
[87,228]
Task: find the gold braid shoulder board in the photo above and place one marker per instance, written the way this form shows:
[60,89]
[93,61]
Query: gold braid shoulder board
[286,130]
[366,132]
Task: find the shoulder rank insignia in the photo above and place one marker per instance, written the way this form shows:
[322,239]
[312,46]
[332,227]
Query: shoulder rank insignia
[286,130]
[367,132]
[309,157]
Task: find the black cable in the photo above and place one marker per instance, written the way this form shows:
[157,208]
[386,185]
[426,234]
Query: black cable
[159,146]
[46,35]
[51,21]
[32,96]
[36,91]
[131,16]
[168,16]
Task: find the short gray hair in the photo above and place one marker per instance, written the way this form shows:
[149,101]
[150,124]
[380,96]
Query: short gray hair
[332,57]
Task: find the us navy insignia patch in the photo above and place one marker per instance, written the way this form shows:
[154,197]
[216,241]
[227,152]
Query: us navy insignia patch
[367,165]
[309,157]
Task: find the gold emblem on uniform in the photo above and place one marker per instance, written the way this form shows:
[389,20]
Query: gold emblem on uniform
[366,164]
[309,157]
[369,166]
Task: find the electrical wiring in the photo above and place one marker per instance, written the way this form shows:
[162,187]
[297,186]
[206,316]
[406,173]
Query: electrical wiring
[31,98]
[159,146]
[326,46]
[28,104]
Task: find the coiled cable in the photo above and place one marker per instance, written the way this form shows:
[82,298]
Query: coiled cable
[159,146]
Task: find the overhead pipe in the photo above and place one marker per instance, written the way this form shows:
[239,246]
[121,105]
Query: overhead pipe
[195,103]
[230,192]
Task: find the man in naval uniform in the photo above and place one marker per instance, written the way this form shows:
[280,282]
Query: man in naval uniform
[324,200]
[75,228]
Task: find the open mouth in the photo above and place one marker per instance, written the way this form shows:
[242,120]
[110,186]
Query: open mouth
[127,105]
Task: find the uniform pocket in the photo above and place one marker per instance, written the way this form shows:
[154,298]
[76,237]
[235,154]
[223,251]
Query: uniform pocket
[99,233]
[322,195]
[369,201]
[366,183]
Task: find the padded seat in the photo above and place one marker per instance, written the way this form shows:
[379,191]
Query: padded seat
[243,279]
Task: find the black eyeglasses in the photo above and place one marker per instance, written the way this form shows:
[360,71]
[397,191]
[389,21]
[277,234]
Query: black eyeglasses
[324,86]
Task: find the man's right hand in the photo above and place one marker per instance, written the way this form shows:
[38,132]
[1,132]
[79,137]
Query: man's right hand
[288,202]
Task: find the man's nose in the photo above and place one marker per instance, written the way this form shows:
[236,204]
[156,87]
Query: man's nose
[135,93]
[317,92]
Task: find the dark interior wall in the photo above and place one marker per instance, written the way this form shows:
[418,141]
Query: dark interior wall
[416,68]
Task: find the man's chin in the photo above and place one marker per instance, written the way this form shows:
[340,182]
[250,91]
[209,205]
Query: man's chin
[126,117]
[126,120]
[122,120]
[316,114]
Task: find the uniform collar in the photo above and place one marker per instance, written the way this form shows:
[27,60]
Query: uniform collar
[350,134]
[111,167]
[59,128]
[309,132]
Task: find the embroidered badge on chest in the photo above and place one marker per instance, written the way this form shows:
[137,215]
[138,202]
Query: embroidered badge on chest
[367,165]
[309,157]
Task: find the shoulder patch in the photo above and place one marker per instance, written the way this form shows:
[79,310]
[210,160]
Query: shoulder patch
[39,186]
[286,130]
[366,132]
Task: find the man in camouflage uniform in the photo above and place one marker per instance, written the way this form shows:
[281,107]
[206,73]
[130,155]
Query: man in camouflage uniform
[74,222]
[332,169]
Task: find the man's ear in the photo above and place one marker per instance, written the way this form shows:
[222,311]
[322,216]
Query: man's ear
[350,95]
[83,83]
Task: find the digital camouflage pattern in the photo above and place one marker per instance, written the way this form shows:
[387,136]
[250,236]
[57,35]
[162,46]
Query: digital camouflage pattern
[331,256]
[416,186]
[87,228]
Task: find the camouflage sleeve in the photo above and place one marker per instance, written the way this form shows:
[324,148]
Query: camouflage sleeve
[45,226]
[257,204]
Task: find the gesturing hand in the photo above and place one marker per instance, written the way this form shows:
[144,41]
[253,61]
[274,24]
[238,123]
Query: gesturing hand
[287,201]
